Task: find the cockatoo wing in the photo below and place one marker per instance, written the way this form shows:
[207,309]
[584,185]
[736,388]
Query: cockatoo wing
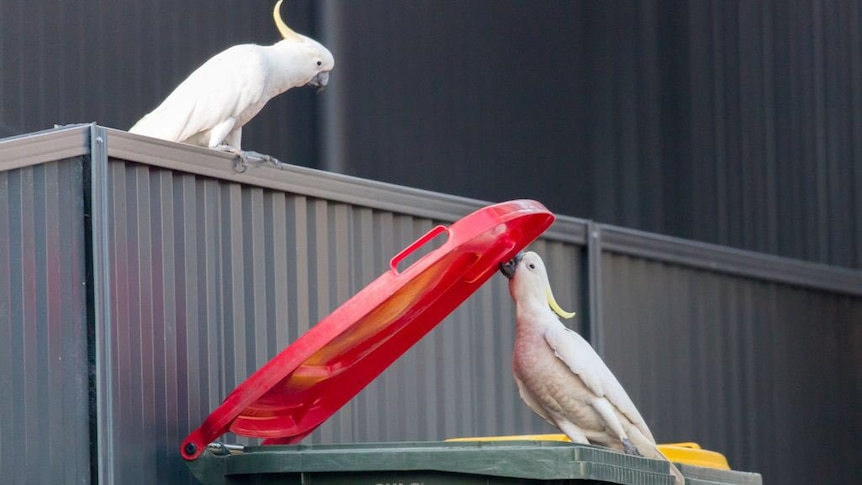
[531,401]
[580,357]
[217,92]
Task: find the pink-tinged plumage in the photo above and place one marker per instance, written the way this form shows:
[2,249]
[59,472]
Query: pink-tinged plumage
[562,378]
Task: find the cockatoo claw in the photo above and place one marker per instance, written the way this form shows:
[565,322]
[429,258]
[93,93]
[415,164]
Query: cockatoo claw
[244,157]
[629,448]
[265,158]
[240,163]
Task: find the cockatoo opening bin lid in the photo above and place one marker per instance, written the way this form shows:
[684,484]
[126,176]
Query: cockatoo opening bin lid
[299,389]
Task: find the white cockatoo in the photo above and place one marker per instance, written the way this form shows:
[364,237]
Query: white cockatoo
[561,377]
[212,105]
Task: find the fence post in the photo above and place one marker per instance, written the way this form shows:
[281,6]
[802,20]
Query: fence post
[593,290]
[99,308]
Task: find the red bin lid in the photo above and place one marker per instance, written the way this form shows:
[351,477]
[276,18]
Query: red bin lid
[307,382]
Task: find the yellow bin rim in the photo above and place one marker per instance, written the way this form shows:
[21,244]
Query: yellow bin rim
[687,453]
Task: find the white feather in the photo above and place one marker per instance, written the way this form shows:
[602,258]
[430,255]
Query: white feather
[562,378]
[580,357]
[212,105]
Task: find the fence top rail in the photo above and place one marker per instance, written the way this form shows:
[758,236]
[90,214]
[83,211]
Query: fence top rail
[74,140]
[314,183]
[723,259]
[44,146]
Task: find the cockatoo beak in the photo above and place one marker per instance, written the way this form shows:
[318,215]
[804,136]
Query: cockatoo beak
[508,268]
[319,81]
[555,306]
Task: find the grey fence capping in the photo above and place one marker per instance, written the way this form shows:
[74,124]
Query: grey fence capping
[44,146]
[313,183]
[728,260]
[74,140]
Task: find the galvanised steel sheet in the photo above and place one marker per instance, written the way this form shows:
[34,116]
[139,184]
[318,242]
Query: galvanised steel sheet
[212,278]
[45,400]
[189,275]
[766,372]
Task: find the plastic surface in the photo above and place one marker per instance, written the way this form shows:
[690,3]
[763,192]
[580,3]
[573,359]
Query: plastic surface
[430,463]
[686,453]
[693,454]
[319,372]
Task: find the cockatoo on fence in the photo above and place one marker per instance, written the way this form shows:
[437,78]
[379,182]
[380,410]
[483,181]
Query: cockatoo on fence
[562,378]
[212,105]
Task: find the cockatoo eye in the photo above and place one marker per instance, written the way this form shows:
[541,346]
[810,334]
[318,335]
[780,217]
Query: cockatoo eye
[319,63]
[532,265]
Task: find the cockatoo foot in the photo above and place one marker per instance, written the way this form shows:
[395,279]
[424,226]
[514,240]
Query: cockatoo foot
[629,448]
[264,158]
[240,164]
[244,157]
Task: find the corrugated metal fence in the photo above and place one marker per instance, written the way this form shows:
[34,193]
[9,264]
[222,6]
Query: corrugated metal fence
[190,275]
[44,395]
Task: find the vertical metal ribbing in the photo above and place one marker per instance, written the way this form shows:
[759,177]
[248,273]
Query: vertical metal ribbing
[100,309]
[593,287]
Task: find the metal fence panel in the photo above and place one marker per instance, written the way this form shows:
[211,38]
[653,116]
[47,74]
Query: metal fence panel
[212,278]
[765,372]
[44,406]
[209,273]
